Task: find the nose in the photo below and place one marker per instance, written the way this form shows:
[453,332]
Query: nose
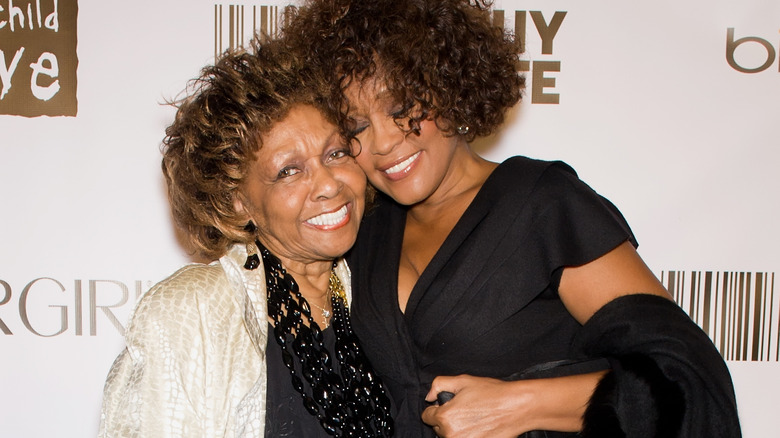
[386,135]
[326,183]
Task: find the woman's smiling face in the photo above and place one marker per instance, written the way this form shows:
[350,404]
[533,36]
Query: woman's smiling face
[406,166]
[304,191]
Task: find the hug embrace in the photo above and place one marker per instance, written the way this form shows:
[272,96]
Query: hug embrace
[368,261]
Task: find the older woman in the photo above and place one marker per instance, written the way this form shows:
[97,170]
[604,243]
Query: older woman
[259,342]
[513,286]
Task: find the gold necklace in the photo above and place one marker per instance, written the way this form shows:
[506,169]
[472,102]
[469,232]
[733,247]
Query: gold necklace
[334,288]
[325,312]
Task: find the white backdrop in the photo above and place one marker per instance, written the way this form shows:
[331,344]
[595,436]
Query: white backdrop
[651,112]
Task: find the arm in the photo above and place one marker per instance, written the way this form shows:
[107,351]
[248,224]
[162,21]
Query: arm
[485,407]
[188,362]
[609,291]
[586,289]
[490,407]
[149,390]
[667,378]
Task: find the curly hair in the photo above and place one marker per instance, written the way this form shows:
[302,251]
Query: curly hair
[441,60]
[217,130]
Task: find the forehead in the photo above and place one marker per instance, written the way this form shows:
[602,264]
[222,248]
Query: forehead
[362,95]
[304,126]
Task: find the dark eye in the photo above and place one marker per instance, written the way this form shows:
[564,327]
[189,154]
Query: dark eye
[397,112]
[340,153]
[357,130]
[402,117]
[355,125]
[337,155]
[287,172]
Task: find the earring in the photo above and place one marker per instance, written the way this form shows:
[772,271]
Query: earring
[463,129]
[252,259]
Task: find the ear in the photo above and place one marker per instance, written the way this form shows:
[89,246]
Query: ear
[240,206]
[238,203]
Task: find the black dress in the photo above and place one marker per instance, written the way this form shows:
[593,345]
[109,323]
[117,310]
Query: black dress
[487,303]
[285,415]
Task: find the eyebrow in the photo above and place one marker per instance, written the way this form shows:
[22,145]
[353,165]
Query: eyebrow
[335,136]
[280,158]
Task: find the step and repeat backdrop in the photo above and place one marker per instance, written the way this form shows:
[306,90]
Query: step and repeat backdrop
[670,109]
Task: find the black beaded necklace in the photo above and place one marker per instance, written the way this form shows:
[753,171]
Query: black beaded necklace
[351,403]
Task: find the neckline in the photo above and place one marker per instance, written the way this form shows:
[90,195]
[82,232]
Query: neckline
[471,216]
[327,329]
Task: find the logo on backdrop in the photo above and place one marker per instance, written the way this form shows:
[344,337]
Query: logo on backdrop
[739,311]
[235,24]
[47,307]
[542,84]
[765,53]
[38,58]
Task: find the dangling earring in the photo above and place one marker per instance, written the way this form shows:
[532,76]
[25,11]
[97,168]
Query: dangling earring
[463,129]
[252,259]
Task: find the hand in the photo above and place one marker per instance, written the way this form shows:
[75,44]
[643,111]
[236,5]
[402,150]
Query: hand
[482,407]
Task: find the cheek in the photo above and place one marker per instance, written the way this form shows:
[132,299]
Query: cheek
[429,132]
[371,174]
[364,161]
[280,206]
[355,179]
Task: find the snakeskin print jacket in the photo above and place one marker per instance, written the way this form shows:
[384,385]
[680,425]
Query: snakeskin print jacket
[194,365]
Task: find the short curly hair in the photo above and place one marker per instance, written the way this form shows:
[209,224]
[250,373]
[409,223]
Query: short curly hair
[209,146]
[441,60]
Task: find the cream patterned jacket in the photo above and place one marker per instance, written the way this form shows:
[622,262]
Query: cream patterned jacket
[194,365]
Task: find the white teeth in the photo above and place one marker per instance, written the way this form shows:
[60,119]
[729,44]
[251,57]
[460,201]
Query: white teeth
[327,219]
[402,165]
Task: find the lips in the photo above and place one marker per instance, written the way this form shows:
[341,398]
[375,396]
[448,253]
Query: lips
[401,168]
[330,220]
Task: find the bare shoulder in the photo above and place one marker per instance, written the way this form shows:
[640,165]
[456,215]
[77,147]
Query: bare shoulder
[585,289]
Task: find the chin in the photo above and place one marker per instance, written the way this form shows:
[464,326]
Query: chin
[407,197]
[410,191]
[335,250]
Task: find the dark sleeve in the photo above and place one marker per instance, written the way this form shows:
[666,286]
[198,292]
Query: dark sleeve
[667,378]
[574,224]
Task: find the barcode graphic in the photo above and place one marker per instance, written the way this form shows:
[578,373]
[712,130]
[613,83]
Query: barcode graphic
[738,310]
[235,25]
